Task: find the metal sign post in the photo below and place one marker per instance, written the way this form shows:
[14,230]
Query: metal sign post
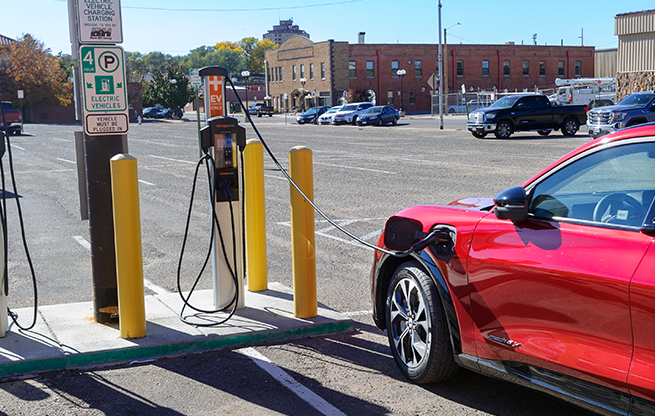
[101,98]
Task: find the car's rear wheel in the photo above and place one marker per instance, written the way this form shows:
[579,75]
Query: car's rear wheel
[380,122]
[394,121]
[416,327]
[354,120]
[570,127]
[503,130]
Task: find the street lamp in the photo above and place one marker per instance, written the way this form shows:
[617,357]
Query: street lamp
[302,82]
[245,75]
[401,73]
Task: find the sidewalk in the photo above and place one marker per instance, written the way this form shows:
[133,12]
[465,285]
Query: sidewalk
[67,336]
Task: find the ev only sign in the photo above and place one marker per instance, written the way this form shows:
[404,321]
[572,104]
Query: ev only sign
[104,90]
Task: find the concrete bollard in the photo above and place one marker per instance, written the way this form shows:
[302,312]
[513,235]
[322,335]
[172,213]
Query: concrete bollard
[302,234]
[255,212]
[127,236]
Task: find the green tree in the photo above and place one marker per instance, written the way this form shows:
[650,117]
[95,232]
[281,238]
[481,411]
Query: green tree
[29,66]
[258,54]
[169,88]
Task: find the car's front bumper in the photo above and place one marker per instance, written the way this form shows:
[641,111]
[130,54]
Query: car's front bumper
[603,129]
[481,127]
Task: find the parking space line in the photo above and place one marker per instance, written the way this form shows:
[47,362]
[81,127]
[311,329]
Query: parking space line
[173,160]
[67,161]
[82,242]
[146,183]
[17,147]
[355,167]
[290,383]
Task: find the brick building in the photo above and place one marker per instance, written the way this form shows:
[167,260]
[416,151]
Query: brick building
[284,31]
[323,66]
[373,67]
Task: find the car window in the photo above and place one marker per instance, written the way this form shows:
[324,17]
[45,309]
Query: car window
[363,106]
[349,107]
[505,102]
[637,99]
[613,186]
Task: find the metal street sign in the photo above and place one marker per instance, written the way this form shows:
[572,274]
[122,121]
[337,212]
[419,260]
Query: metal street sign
[433,81]
[194,78]
[99,21]
[104,90]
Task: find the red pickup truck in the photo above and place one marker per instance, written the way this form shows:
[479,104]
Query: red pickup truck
[12,117]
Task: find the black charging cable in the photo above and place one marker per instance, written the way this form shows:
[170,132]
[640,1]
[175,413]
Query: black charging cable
[215,226]
[3,218]
[316,208]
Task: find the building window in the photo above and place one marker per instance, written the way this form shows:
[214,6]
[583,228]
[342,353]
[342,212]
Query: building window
[389,97]
[302,71]
[322,70]
[506,68]
[526,68]
[394,69]
[293,74]
[560,69]
[578,68]
[275,74]
[485,68]
[311,71]
[370,73]
[412,97]
[460,68]
[418,68]
[542,68]
[352,69]
[280,74]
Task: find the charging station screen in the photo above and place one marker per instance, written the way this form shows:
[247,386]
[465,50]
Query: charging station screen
[225,152]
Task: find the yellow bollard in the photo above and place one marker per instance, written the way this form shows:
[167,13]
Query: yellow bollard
[127,236]
[302,234]
[255,210]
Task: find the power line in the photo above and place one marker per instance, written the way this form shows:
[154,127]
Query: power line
[256,9]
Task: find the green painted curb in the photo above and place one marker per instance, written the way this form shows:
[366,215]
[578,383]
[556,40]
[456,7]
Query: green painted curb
[206,343]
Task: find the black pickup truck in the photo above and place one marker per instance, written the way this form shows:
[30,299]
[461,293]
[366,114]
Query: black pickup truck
[525,112]
[260,109]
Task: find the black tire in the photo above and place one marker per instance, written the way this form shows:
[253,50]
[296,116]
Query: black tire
[259,114]
[395,121]
[416,327]
[479,135]
[380,122]
[503,130]
[451,111]
[570,127]
[354,120]
[544,132]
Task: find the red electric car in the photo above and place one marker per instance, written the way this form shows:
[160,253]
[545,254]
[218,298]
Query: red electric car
[550,284]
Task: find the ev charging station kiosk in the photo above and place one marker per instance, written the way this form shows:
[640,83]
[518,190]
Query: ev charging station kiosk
[224,138]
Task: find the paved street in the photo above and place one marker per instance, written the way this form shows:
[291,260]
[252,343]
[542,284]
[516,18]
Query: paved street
[361,177]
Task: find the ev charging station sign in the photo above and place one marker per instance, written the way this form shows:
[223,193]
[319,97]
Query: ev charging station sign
[99,21]
[104,90]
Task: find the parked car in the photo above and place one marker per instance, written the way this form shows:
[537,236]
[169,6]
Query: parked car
[149,112]
[378,115]
[260,109]
[311,115]
[472,105]
[326,118]
[163,113]
[12,117]
[549,285]
[525,112]
[636,108]
[350,112]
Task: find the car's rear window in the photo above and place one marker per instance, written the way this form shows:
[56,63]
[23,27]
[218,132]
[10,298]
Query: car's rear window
[8,107]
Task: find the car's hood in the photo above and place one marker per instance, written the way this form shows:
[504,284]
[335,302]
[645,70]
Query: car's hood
[609,108]
[478,204]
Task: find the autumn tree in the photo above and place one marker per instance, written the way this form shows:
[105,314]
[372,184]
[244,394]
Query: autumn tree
[357,95]
[29,66]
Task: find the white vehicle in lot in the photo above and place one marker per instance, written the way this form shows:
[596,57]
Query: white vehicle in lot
[349,113]
[326,118]
[592,92]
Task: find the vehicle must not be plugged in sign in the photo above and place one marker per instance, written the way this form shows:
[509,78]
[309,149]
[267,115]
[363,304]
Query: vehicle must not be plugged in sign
[104,90]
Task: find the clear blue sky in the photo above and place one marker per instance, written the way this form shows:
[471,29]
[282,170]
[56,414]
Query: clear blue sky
[175,27]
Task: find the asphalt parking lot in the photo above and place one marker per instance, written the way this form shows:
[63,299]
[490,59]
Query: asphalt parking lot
[362,175]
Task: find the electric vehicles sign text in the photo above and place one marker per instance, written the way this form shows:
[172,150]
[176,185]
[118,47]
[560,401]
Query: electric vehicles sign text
[104,90]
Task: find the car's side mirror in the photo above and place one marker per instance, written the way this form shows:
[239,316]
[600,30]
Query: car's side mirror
[521,106]
[511,204]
